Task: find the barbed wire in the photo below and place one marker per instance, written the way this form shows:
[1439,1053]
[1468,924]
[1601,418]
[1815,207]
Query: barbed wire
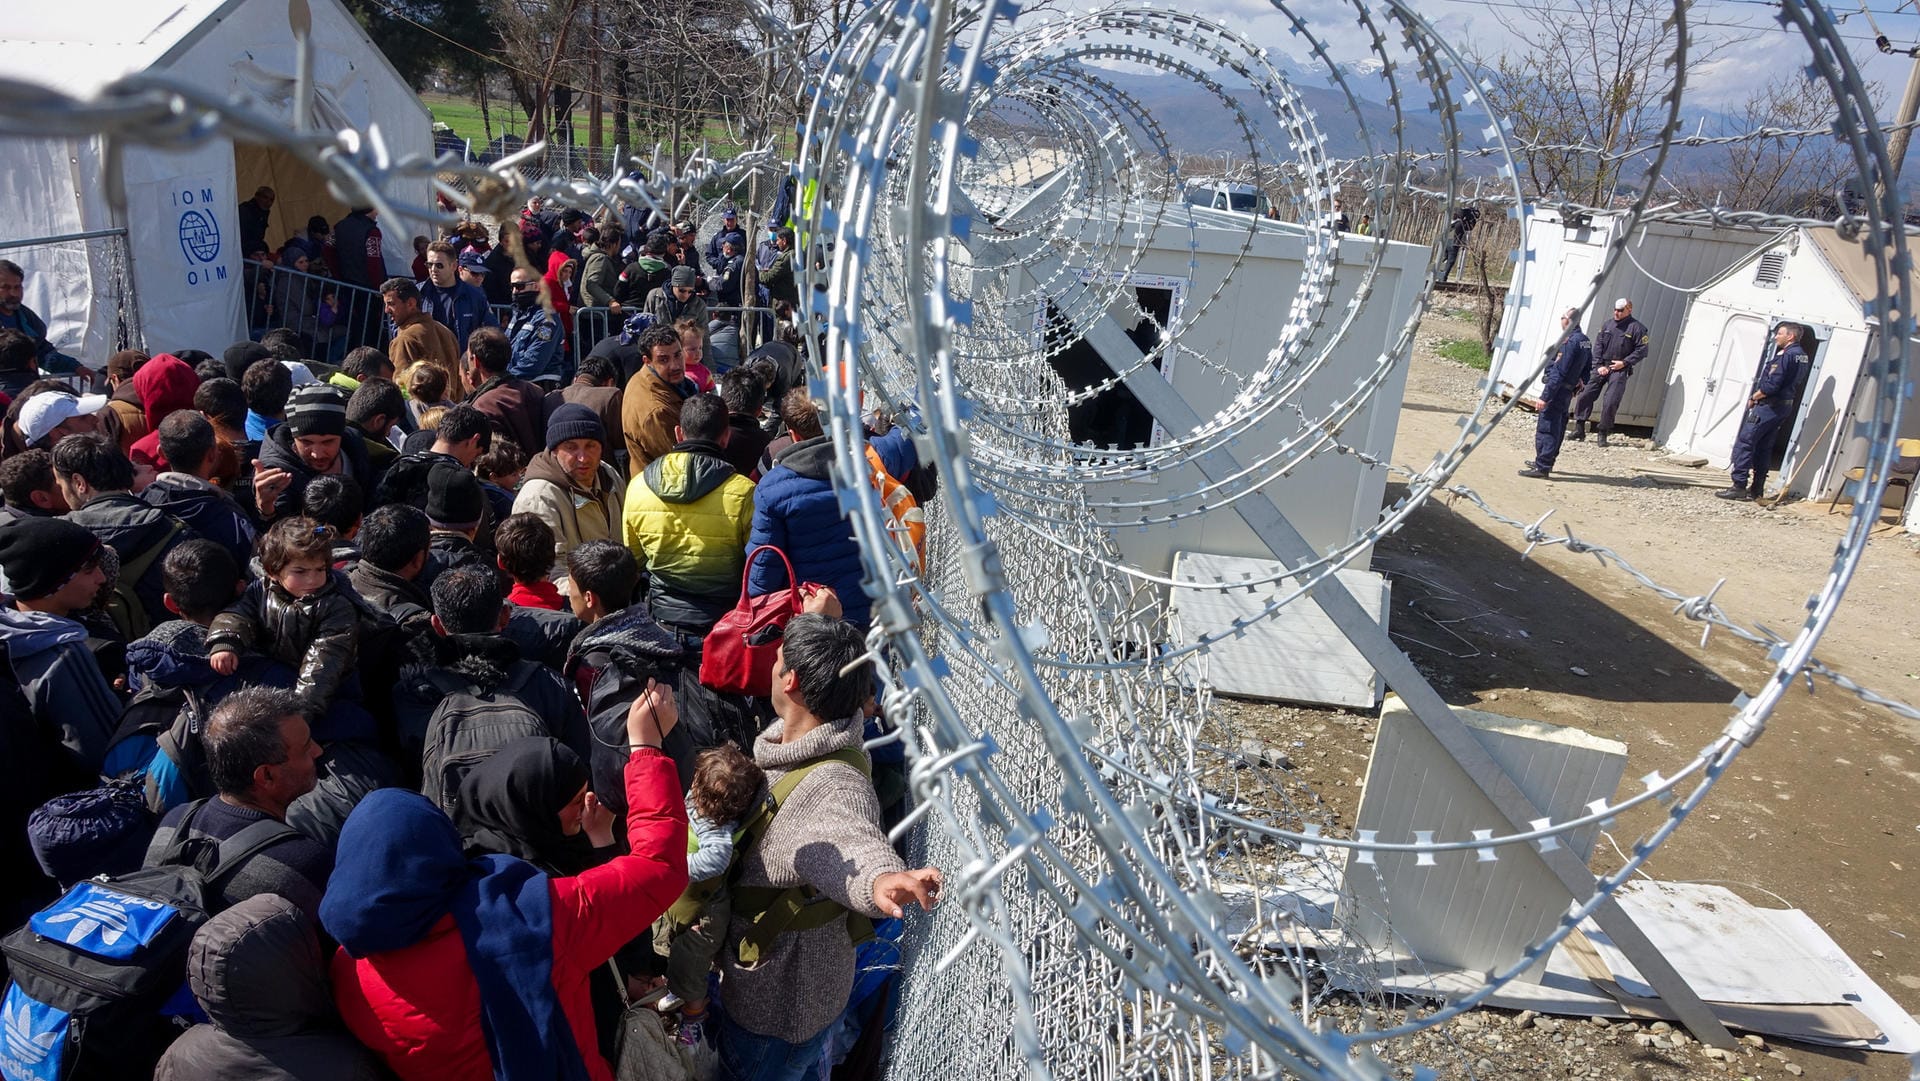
[1067,765]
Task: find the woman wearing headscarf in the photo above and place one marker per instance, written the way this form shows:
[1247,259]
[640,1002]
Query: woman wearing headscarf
[531,800]
[455,969]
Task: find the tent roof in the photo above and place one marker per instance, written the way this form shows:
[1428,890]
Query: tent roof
[80,46]
[1851,264]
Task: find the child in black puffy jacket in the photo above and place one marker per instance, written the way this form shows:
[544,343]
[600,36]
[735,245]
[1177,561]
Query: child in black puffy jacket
[297,614]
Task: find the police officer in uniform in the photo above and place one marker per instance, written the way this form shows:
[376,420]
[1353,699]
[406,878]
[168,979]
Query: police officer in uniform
[533,333]
[1776,388]
[1571,360]
[1621,345]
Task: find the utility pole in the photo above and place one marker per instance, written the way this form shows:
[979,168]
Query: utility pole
[1909,108]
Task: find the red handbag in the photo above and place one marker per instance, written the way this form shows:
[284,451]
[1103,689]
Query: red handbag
[738,655]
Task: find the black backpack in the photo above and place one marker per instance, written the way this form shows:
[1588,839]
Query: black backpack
[469,725]
[97,974]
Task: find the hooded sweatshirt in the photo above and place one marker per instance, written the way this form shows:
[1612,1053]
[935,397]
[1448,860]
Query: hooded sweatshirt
[69,695]
[688,515]
[642,276]
[125,403]
[164,386]
[257,971]
[576,514]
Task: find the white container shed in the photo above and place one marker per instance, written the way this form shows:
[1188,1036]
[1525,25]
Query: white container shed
[1660,265]
[172,216]
[1810,276]
[1332,497]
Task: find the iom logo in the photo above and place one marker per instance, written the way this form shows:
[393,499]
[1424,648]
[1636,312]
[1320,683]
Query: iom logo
[200,236]
[32,1046]
[199,230]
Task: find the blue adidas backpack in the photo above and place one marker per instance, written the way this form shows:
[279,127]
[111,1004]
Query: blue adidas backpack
[98,974]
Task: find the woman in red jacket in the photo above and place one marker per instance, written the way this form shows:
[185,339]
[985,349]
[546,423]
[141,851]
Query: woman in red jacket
[455,969]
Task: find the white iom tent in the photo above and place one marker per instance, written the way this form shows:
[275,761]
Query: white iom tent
[161,242]
[1659,265]
[1812,277]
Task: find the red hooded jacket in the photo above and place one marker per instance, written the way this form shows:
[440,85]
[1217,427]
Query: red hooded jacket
[419,1008]
[557,284]
[165,385]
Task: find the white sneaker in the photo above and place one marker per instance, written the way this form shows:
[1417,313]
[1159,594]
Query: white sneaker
[668,1002]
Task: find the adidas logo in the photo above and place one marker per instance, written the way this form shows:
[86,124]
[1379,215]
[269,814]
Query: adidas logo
[25,1048]
[109,920]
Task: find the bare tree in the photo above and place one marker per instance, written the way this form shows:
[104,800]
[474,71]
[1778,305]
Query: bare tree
[1798,175]
[1586,82]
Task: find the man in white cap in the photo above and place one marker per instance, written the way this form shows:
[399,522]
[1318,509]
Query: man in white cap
[1620,345]
[51,415]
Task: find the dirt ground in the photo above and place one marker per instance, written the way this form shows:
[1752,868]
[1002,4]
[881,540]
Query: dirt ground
[1822,813]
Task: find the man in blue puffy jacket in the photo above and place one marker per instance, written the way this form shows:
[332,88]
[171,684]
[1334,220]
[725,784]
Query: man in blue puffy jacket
[795,509]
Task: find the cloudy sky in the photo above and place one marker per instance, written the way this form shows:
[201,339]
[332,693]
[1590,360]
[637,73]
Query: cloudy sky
[1759,48]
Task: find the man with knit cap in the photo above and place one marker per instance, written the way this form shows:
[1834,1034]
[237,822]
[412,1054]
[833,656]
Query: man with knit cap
[315,440]
[687,518]
[570,486]
[455,508]
[825,839]
[52,570]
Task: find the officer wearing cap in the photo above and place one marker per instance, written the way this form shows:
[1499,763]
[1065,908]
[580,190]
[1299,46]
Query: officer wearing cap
[729,230]
[1777,385]
[473,269]
[1620,345]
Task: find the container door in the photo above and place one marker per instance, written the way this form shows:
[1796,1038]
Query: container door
[1724,402]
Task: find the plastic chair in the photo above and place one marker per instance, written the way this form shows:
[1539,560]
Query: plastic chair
[1904,469]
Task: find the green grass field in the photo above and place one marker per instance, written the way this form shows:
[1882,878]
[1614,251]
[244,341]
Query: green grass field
[463,116]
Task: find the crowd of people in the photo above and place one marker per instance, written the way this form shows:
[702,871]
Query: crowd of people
[399,659]
[640,270]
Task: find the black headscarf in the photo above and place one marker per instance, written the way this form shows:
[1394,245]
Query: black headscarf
[510,804]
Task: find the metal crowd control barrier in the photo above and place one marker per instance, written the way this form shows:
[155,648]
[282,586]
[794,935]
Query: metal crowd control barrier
[330,316]
[590,325]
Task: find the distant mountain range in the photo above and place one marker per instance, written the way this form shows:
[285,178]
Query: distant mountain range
[1196,122]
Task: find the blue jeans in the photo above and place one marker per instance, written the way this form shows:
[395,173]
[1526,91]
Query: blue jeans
[749,1056]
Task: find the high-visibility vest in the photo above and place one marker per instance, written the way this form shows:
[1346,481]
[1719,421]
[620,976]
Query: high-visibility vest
[909,526]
